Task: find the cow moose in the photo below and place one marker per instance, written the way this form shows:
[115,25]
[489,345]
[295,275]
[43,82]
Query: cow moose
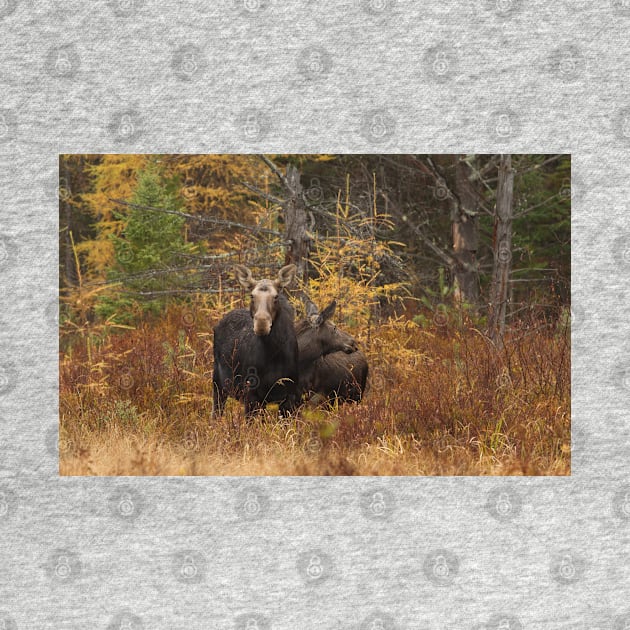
[330,363]
[256,350]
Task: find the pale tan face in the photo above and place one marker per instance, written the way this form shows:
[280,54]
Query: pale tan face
[264,306]
[265,295]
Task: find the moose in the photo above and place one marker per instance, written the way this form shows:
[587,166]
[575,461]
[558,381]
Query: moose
[256,349]
[330,364]
[260,357]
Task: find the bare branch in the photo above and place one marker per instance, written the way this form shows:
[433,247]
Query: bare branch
[263,194]
[449,260]
[190,290]
[185,215]
[277,172]
[538,205]
[537,166]
[441,180]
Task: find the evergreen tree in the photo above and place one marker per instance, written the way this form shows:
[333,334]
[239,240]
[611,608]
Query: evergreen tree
[149,252]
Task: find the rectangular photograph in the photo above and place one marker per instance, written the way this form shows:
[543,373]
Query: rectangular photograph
[315,314]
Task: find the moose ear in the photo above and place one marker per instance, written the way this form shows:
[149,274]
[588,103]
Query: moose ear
[244,276]
[311,309]
[285,276]
[329,311]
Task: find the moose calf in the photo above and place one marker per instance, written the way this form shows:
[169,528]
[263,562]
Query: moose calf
[330,364]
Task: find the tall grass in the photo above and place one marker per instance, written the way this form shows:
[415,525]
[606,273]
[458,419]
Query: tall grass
[441,401]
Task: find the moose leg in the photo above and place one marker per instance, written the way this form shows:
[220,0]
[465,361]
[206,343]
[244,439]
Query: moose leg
[289,404]
[252,406]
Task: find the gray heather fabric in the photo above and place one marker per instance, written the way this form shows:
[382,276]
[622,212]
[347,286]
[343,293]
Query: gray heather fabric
[361,76]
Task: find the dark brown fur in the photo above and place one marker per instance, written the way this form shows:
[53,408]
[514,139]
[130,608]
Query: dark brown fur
[255,350]
[330,364]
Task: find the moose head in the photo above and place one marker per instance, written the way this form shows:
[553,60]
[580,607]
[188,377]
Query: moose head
[265,296]
[318,336]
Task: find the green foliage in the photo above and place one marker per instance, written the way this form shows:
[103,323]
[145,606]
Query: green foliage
[542,234]
[151,243]
[377,222]
[441,309]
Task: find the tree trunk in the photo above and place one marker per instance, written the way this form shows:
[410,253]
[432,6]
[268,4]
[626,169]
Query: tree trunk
[297,236]
[465,236]
[502,249]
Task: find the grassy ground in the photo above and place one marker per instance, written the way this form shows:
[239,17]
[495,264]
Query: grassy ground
[441,401]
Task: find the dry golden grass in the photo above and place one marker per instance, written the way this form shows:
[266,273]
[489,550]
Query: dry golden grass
[442,401]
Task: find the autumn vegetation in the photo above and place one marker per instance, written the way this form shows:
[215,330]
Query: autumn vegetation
[141,290]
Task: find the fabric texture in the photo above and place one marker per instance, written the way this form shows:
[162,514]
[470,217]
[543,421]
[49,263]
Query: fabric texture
[363,76]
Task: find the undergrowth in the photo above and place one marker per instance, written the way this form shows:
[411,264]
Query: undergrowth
[441,400]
